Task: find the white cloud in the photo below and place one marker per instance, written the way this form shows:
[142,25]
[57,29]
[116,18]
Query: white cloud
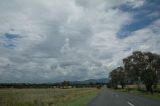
[136,3]
[68,40]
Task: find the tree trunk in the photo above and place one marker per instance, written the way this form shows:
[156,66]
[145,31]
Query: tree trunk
[149,88]
[122,85]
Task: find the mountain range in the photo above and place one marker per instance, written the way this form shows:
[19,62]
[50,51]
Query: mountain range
[93,81]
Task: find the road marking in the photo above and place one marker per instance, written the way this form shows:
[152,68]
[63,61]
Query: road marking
[130,104]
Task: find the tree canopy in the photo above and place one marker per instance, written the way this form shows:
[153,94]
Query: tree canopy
[144,66]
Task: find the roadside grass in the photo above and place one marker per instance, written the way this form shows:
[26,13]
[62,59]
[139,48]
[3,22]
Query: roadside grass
[47,97]
[135,91]
[80,100]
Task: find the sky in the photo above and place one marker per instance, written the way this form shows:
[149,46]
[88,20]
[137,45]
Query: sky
[54,40]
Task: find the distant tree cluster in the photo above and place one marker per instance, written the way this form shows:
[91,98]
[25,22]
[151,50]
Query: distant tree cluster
[68,84]
[139,67]
[62,85]
[26,85]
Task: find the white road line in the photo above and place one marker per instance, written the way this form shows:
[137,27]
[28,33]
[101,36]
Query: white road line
[130,104]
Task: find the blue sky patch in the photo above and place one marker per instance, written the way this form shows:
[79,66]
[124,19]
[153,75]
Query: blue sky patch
[143,16]
[11,46]
[10,40]
[11,36]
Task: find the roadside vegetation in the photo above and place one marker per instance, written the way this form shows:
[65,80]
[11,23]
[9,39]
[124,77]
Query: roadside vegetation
[139,92]
[140,75]
[47,97]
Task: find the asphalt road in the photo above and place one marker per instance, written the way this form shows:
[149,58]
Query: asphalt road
[111,98]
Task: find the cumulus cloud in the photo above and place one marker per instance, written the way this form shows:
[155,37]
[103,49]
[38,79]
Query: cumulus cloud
[49,41]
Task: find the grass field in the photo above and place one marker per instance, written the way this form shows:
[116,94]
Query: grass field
[133,89]
[47,97]
[155,96]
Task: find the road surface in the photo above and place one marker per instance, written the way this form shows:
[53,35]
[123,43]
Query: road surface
[111,98]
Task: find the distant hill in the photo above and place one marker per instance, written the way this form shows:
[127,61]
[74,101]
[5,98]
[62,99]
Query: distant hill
[93,81]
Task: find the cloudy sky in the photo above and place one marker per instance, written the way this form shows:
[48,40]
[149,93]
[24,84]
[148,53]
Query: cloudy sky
[55,40]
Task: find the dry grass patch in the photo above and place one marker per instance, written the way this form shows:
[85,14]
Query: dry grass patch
[44,97]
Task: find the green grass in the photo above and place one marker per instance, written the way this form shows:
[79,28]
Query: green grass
[47,97]
[82,100]
[134,91]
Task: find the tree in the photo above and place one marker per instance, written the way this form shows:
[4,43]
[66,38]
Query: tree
[114,81]
[133,65]
[117,77]
[121,76]
[65,84]
[144,66]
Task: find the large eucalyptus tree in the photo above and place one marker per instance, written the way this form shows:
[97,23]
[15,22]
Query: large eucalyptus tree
[143,66]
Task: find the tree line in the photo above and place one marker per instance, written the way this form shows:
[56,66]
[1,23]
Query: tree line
[62,85]
[140,67]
